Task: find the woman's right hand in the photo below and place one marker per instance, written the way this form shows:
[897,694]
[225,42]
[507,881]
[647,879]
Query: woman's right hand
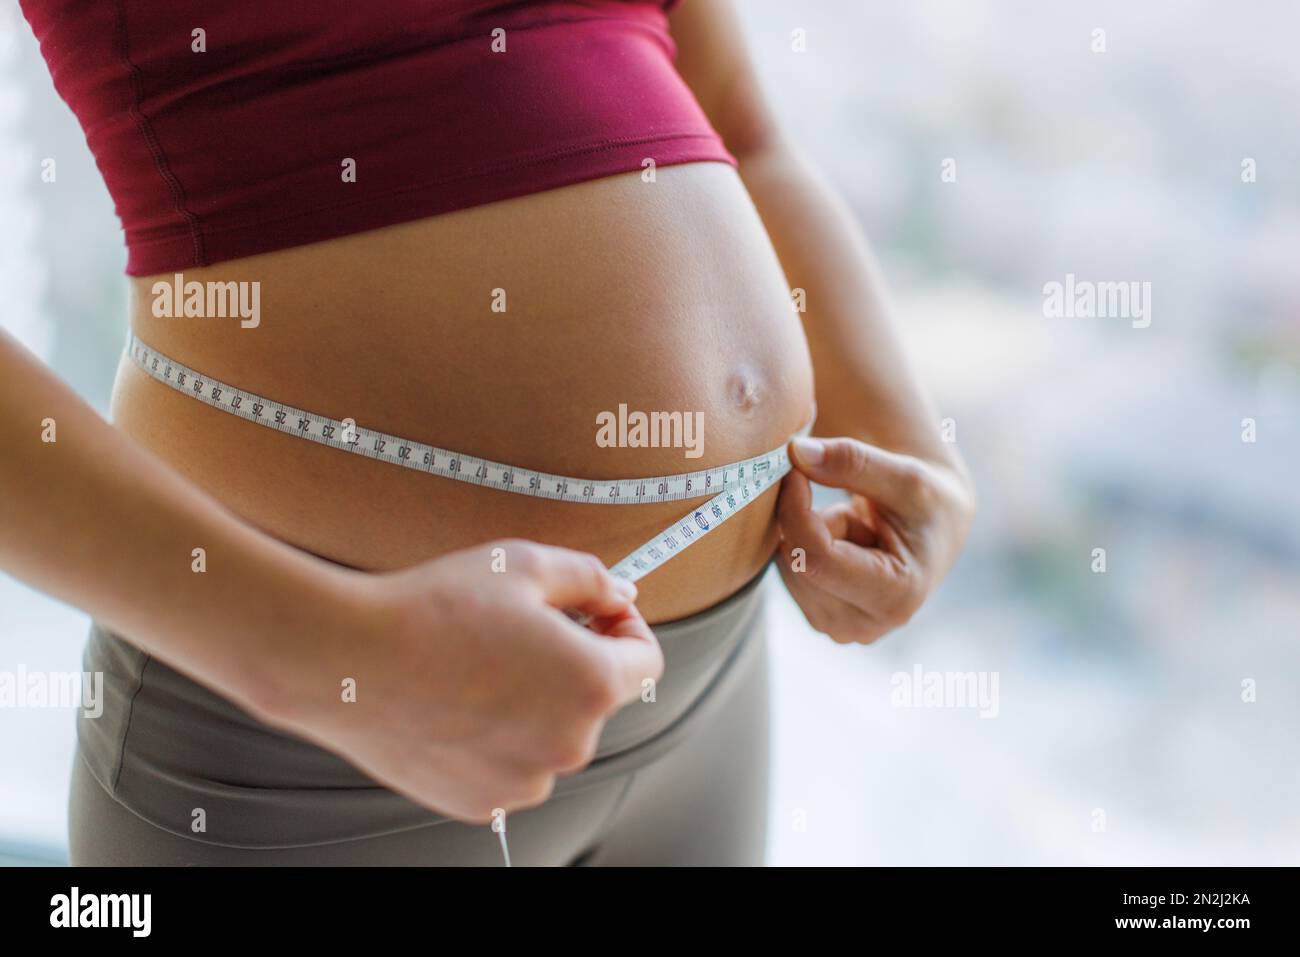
[461,683]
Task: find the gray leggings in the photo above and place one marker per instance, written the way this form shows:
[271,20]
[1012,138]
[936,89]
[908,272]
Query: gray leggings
[174,774]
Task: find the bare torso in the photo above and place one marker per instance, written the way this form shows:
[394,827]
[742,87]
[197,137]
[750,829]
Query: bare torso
[663,296]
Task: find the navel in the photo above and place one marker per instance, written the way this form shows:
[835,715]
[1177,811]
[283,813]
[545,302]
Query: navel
[744,390]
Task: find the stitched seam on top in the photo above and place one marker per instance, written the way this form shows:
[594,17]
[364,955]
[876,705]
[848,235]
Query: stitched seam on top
[430,184]
[151,140]
[130,713]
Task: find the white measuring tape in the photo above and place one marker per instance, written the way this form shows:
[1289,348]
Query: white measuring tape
[732,487]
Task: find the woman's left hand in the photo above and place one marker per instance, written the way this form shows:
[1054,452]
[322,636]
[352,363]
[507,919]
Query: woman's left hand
[861,568]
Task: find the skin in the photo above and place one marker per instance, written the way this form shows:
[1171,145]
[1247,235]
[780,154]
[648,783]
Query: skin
[606,281]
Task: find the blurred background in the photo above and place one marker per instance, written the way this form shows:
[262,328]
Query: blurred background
[1146,714]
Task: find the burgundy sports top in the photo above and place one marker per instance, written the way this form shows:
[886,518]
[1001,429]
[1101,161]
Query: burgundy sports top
[240,139]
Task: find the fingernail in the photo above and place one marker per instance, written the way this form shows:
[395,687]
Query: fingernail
[810,451]
[625,588]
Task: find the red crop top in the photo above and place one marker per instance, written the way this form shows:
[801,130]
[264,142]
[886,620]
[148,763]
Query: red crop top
[241,139]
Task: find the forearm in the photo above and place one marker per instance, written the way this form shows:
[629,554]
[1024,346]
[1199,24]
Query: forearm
[864,385]
[97,521]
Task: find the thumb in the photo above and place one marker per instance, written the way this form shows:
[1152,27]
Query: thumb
[883,477]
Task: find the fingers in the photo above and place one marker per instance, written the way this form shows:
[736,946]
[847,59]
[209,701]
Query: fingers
[844,522]
[842,622]
[868,578]
[625,664]
[842,567]
[569,579]
[898,482]
[630,664]
[618,646]
[799,524]
[866,566]
[627,623]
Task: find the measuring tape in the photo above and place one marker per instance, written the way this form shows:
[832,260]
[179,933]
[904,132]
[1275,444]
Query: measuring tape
[731,487]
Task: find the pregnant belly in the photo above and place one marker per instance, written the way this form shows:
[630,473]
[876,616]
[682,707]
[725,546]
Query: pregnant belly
[517,331]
